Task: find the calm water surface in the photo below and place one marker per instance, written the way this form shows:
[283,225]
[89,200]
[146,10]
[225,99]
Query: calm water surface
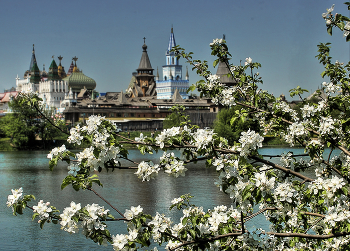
[121,188]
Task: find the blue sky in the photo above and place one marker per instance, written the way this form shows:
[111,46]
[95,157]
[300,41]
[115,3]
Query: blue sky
[107,35]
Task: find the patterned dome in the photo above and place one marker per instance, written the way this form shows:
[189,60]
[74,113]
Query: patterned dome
[78,81]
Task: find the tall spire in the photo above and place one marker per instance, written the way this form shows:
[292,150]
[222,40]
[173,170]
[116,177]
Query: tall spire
[172,42]
[33,60]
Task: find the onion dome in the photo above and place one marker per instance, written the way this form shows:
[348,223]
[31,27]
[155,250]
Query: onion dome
[77,81]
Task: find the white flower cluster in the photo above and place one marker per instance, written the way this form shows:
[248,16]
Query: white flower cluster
[326,188]
[336,214]
[219,215]
[212,81]
[284,192]
[14,197]
[286,159]
[346,29]
[167,133]
[73,169]
[134,211]
[284,107]
[173,165]
[250,140]
[91,128]
[56,151]
[177,201]
[263,182]
[308,110]
[75,137]
[217,41]
[67,222]
[160,223]
[327,16]
[248,61]
[89,216]
[326,126]
[147,170]
[43,209]
[106,154]
[203,138]
[331,88]
[294,130]
[92,222]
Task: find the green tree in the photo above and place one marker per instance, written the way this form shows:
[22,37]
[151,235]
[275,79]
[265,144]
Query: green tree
[27,122]
[176,118]
[230,128]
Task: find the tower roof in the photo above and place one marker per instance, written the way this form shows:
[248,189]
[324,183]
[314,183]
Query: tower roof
[172,42]
[223,72]
[35,75]
[78,81]
[33,59]
[145,63]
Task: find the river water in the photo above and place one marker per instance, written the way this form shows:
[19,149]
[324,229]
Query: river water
[122,188]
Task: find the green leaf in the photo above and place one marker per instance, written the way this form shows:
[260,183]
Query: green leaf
[191,88]
[329,30]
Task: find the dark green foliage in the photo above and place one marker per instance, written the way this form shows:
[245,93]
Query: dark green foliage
[25,124]
[230,129]
[176,118]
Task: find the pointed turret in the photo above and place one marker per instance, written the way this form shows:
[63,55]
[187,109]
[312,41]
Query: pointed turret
[172,42]
[35,74]
[145,63]
[53,71]
[33,60]
[177,97]
[71,67]
[223,72]
[145,84]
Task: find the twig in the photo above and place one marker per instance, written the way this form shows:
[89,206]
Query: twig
[106,201]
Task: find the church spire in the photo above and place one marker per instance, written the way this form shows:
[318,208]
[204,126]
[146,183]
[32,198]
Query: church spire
[172,42]
[33,60]
[145,63]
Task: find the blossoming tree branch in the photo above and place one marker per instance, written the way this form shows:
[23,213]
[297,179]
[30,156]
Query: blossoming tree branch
[305,212]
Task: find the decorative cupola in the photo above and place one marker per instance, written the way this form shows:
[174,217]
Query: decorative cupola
[78,81]
[75,69]
[61,72]
[53,70]
[35,74]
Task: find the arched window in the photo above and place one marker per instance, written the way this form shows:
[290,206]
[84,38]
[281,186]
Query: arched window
[172,61]
[165,78]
